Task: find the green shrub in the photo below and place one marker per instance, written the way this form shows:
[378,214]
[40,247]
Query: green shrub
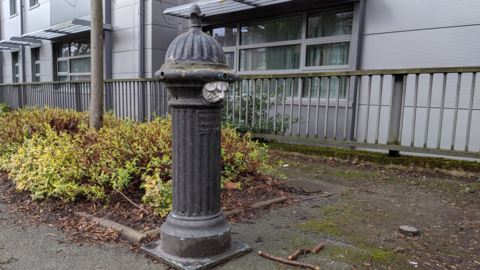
[47,167]
[53,153]
[4,108]
[256,106]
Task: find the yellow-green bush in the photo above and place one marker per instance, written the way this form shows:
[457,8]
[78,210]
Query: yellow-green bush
[47,167]
[53,153]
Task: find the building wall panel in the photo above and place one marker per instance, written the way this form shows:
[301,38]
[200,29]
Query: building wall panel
[393,15]
[447,47]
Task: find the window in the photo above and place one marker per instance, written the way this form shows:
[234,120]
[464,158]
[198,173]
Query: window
[33,3]
[306,42]
[73,61]
[15,68]
[36,65]
[13,7]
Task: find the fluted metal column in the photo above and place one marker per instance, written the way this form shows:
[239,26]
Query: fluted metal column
[196,234]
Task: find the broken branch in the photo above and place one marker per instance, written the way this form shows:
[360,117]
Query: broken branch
[275,258]
[297,253]
[128,199]
[318,248]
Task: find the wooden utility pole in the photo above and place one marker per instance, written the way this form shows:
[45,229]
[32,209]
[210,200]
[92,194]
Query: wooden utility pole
[96,39]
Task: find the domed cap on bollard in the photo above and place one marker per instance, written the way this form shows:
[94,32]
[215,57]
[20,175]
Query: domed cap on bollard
[195,56]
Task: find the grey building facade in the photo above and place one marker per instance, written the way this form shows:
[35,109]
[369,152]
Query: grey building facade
[56,37]
[261,37]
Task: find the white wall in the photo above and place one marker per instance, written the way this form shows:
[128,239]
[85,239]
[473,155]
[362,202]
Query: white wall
[421,33]
[125,37]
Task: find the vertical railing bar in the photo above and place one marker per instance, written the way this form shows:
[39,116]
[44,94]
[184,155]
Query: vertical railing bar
[246,102]
[240,98]
[233,102]
[470,107]
[124,97]
[414,116]
[292,87]
[125,104]
[327,104]
[275,109]
[455,115]
[368,107]
[283,107]
[137,108]
[300,97]
[380,93]
[254,103]
[390,114]
[308,107]
[62,96]
[51,95]
[337,100]
[405,77]
[227,98]
[269,81]
[442,105]
[69,94]
[346,108]
[66,101]
[165,99]
[318,106]
[261,107]
[429,103]
[357,107]
[131,105]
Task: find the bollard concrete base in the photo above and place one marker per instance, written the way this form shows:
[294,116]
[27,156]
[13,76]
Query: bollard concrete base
[154,250]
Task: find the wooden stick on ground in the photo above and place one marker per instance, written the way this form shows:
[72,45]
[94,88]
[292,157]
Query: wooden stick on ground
[297,253]
[275,258]
[317,248]
[125,196]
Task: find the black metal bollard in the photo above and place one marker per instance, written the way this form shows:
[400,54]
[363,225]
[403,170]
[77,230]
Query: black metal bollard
[196,234]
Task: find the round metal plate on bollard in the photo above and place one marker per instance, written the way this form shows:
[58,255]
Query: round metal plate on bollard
[196,234]
[409,229]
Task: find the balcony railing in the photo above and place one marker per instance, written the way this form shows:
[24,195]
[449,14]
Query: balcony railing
[431,111]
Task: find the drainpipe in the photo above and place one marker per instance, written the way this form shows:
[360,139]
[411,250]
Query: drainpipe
[22,97]
[141,55]
[108,40]
[142,112]
[358,64]
[108,56]
[23,46]
[1,65]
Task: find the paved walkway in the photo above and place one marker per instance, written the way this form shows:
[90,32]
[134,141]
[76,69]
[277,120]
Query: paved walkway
[37,247]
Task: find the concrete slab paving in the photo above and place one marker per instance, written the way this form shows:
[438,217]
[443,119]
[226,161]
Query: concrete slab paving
[310,185]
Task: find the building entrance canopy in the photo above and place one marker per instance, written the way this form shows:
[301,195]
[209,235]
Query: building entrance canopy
[217,7]
[63,29]
[13,43]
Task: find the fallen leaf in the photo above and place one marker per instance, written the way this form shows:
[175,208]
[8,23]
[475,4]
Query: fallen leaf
[231,185]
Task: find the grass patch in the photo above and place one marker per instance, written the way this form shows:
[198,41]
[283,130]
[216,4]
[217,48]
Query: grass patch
[379,158]
[338,221]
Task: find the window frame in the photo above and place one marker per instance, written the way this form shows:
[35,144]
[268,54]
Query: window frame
[68,59]
[34,3]
[15,65]
[303,42]
[36,75]
[13,7]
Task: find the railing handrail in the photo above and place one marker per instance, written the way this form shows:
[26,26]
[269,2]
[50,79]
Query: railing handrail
[365,72]
[85,81]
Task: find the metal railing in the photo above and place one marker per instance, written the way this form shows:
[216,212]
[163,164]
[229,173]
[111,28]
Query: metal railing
[137,99]
[432,111]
